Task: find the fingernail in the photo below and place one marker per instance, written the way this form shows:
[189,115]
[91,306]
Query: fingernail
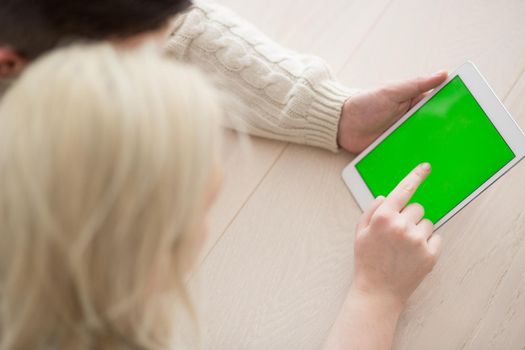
[438,73]
[426,166]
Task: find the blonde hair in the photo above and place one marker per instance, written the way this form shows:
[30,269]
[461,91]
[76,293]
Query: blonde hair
[105,160]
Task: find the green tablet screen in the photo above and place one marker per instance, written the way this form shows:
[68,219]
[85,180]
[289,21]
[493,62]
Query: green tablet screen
[451,132]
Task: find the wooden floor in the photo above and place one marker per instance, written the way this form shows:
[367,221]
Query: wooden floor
[279,258]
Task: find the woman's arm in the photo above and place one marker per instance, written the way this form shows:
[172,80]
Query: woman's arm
[365,322]
[281,94]
[394,250]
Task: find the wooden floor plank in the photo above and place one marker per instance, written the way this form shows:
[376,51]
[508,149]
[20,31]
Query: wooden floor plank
[245,163]
[329,29]
[418,37]
[274,279]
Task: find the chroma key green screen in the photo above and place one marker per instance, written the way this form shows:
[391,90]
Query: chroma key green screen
[451,132]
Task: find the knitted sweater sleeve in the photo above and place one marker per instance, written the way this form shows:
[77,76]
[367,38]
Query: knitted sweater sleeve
[284,95]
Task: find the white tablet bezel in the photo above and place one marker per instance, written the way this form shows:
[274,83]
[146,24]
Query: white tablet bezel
[494,109]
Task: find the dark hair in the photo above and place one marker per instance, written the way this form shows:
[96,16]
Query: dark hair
[32,27]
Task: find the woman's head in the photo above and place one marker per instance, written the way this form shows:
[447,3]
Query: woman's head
[106,161]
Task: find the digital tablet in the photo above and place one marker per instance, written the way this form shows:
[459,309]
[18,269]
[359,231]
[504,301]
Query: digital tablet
[465,133]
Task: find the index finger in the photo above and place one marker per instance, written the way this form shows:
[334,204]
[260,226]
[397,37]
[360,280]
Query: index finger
[399,197]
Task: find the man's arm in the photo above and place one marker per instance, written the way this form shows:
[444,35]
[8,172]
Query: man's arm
[281,94]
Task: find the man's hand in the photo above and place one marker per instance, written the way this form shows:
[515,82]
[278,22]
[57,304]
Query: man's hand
[367,114]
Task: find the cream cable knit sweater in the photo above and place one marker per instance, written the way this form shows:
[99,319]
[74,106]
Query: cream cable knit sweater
[286,96]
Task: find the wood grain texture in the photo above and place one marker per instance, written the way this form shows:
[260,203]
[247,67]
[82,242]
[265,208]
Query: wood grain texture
[245,163]
[418,37]
[309,26]
[269,282]
[277,276]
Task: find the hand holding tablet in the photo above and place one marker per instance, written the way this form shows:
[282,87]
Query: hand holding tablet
[461,129]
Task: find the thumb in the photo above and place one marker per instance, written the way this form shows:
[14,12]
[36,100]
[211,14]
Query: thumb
[408,89]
